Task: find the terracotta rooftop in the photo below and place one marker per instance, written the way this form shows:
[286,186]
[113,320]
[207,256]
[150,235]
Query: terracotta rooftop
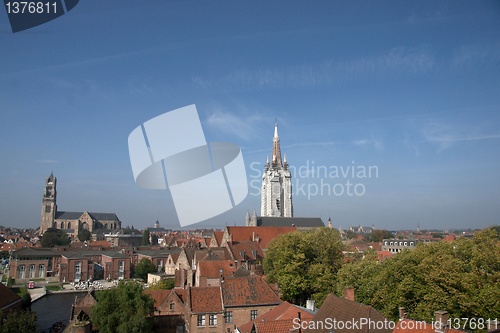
[158,296]
[263,234]
[206,300]
[250,290]
[216,268]
[285,313]
[246,250]
[278,326]
[381,255]
[218,237]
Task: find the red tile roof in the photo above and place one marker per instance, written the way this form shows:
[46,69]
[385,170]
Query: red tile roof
[250,290]
[279,326]
[216,268]
[381,255]
[249,248]
[158,295]
[264,234]
[285,313]
[218,237]
[206,300]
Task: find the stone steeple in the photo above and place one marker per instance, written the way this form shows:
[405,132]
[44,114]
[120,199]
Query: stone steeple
[276,194]
[276,159]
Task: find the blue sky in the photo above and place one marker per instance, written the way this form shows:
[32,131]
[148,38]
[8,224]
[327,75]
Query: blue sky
[411,88]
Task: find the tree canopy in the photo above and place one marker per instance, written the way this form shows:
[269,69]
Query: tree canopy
[19,322]
[55,237]
[145,237]
[123,309]
[84,235]
[304,264]
[461,277]
[378,235]
[143,267]
[163,284]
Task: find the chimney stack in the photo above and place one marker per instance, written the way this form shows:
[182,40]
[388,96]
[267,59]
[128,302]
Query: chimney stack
[441,320]
[402,314]
[310,305]
[349,293]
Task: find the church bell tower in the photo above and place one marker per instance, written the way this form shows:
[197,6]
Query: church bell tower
[49,206]
[276,194]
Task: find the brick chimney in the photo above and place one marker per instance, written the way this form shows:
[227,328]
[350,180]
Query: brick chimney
[349,293]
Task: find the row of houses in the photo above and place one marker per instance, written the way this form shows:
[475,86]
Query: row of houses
[249,305]
[242,247]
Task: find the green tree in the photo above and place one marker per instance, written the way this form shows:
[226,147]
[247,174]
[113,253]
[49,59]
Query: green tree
[123,309]
[154,239]
[304,264]
[55,237]
[19,322]
[378,235]
[461,277]
[145,238]
[143,267]
[164,284]
[84,235]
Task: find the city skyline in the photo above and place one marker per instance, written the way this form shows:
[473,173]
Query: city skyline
[396,102]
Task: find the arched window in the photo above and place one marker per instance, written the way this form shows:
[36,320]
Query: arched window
[32,271]
[69,225]
[22,271]
[62,225]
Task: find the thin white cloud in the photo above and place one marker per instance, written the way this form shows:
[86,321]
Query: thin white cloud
[473,54]
[47,161]
[230,123]
[376,144]
[446,135]
[399,60]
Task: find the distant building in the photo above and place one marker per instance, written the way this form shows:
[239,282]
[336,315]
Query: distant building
[68,266]
[398,245]
[71,222]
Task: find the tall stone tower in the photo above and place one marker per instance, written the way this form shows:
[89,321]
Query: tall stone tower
[49,206]
[276,194]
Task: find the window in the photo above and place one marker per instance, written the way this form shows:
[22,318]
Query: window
[32,271]
[41,271]
[201,320]
[22,271]
[47,209]
[121,269]
[78,271]
[212,320]
[253,314]
[229,317]
[159,265]
[172,306]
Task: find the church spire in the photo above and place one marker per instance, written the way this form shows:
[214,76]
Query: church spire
[276,159]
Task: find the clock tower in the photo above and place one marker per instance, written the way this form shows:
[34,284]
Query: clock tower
[49,206]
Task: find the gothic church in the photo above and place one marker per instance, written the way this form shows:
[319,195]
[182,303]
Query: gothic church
[71,222]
